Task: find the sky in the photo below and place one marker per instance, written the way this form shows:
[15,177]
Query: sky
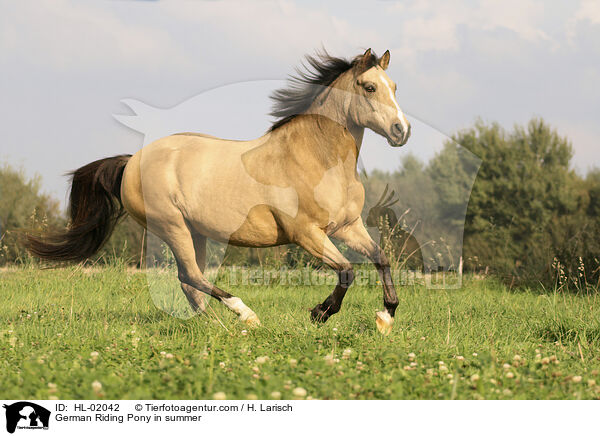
[68,67]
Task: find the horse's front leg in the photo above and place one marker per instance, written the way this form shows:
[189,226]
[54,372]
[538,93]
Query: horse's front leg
[317,243]
[356,237]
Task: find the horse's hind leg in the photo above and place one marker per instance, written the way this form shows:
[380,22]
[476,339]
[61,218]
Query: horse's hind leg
[196,298]
[179,238]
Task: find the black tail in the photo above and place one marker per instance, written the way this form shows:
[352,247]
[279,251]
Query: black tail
[94,208]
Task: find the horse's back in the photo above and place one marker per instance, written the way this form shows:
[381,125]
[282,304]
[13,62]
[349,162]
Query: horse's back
[150,181]
[205,179]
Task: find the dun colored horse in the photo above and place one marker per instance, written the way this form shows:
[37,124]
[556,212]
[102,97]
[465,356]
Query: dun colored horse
[298,184]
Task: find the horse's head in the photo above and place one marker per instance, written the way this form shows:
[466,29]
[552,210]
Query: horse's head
[373,104]
[356,93]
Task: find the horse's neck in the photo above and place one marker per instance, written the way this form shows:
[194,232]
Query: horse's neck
[357,133]
[333,105]
[323,141]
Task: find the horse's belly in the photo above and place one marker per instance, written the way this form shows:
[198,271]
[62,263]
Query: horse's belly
[240,212]
[256,227]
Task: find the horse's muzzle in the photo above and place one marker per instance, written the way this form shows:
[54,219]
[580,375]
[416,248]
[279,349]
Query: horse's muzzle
[399,135]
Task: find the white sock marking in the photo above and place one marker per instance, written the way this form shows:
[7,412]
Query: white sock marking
[237,305]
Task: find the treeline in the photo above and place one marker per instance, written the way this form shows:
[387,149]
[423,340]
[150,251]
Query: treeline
[529,218]
[491,201]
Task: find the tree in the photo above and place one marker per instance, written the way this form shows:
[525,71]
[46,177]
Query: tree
[525,192]
[22,206]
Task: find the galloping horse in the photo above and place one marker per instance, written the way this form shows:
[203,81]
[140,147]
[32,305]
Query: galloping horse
[298,183]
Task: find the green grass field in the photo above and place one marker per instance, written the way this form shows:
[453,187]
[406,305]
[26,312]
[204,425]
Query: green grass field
[73,334]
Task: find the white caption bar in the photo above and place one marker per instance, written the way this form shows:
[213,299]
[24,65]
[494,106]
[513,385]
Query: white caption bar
[280,417]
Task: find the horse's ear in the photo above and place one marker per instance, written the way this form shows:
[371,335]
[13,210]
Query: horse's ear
[365,60]
[384,61]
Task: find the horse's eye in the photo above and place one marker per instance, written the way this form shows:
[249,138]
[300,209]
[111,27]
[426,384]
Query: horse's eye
[370,88]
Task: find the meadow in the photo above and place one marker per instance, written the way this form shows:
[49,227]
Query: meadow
[77,333]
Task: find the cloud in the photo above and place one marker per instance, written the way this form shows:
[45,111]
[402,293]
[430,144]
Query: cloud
[523,17]
[589,10]
[69,36]
[204,38]
[281,29]
[435,25]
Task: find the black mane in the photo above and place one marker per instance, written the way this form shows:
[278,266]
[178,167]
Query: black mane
[309,82]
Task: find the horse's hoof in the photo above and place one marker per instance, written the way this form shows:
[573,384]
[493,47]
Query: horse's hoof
[384,322]
[318,314]
[252,321]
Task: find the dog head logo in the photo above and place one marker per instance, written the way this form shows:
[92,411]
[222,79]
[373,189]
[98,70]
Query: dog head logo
[26,415]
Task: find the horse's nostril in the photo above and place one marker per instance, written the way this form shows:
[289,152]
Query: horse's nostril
[408,131]
[397,129]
